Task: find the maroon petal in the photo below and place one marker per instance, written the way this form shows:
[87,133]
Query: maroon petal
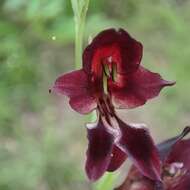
[139,146]
[130,50]
[133,90]
[166,146]
[131,53]
[99,150]
[180,183]
[177,162]
[180,153]
[77,87]
[117,159]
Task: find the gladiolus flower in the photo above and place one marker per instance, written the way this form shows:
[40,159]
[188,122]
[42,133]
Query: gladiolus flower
[111,77]
[110,144]
[175,154]
[111,66]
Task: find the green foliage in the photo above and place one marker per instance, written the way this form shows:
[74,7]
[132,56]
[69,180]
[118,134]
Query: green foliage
[42,145]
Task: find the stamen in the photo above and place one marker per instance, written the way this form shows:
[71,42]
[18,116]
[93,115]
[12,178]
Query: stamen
[106,70]
[109,71]
[105,83]
[114,72]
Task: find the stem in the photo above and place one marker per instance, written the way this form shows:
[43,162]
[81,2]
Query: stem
[79,29]
[80,8]
[106,182]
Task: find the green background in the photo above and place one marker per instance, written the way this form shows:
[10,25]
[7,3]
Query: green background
[43,141]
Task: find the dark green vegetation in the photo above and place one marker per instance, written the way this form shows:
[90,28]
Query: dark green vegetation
[42,142]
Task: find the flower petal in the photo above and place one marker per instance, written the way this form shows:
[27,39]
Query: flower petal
[117,159]
[133,90]
[166,146]
[130,50]
[139,146]
[181,183]
[180,153]
[77,87]
[99,150]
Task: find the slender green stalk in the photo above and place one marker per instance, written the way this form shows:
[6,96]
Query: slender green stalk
[80,8]
[106,182]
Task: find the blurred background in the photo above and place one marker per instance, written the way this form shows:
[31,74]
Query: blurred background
[42,141]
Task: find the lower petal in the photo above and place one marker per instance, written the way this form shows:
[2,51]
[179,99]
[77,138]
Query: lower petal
[117,159]
[180,153]
[168,146]
[99,150]
[139,146]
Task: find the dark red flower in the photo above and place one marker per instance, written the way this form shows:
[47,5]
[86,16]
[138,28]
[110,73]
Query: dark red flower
[111,78]
[109,146]
[175,154]
[111,65]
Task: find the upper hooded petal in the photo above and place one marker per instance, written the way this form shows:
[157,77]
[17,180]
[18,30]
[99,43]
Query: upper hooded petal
[135,89]
[99,150]
[139,146]
[130,50]
[117,159]
[76,85]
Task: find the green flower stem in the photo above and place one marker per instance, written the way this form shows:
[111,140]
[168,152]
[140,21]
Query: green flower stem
[106,182]
[78,46]
[80,8]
